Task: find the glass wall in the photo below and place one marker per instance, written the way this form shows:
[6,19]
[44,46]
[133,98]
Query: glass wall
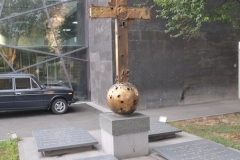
[45,38]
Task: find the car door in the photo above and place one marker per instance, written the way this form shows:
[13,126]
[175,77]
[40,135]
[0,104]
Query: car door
[28,93]
[7,95]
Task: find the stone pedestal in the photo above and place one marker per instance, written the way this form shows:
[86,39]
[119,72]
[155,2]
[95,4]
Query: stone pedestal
[125,136]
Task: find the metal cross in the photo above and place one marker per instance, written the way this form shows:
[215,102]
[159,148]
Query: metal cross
[123,16]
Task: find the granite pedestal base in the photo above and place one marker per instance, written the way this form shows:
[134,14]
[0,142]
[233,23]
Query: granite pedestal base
[125,136]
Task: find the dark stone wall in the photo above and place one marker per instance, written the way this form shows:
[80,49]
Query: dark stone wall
[100,55]
[178,72]
[166,71]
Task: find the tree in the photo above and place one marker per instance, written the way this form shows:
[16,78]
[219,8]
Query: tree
[13,29]
[186,17]
[19,28]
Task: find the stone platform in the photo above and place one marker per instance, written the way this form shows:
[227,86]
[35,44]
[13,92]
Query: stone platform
[197,150]
[28,149]
[59,141]
[160,130]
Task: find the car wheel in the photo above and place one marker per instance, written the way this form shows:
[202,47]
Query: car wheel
[59,106]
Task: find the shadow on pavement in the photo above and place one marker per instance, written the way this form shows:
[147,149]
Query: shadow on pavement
[72,109]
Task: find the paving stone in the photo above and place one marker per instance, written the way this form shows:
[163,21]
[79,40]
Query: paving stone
[62,138]
[160,130]
[197,150]
[105,157]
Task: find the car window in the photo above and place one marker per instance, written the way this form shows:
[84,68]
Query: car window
[22,83]
[38,82]
[6,84]
[34,84]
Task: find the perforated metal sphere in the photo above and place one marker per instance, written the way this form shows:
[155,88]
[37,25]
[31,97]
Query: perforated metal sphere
[123,98]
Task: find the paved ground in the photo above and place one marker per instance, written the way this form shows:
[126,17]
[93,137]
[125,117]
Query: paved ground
[194,111]
[88,117]
[24,122]
[28,149]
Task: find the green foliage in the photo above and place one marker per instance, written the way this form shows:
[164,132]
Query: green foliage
[9,150]
[186,17]
[21,25]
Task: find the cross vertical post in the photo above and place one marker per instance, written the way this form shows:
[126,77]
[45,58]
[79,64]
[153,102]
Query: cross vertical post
[122,97]
[121,53]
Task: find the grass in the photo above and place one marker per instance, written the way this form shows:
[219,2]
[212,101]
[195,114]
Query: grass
[9,149]
[223,129]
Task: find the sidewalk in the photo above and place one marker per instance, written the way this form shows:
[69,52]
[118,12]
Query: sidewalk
[28,151]
[194,111]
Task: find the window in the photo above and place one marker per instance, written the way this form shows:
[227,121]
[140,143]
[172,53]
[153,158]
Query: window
[6,84]
[47,40]
[23,83]
[34,84]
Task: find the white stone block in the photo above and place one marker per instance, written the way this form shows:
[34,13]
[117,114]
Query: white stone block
[126,145]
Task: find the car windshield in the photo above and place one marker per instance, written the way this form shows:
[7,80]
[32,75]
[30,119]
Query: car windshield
[41,84]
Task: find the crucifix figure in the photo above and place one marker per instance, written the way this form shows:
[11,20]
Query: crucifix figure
[120,101]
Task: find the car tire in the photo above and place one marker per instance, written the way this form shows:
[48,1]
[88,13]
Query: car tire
[59,106]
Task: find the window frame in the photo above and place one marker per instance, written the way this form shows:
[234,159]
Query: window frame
[32,80]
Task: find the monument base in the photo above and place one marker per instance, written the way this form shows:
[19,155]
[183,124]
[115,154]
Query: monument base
[125,136]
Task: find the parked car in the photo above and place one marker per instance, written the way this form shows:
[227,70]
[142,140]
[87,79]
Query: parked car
[25,92]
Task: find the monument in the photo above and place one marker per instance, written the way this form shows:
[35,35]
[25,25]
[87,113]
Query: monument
[124,133]
[123,16]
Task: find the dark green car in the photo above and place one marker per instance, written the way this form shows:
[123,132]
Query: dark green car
[25,92]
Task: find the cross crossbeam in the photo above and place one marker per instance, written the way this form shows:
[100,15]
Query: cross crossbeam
[121,13]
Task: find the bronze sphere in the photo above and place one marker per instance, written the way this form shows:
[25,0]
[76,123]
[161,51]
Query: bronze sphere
[123,98]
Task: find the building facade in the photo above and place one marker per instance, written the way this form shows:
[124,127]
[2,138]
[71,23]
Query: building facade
[167,71]
[57,42]
[46,38]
